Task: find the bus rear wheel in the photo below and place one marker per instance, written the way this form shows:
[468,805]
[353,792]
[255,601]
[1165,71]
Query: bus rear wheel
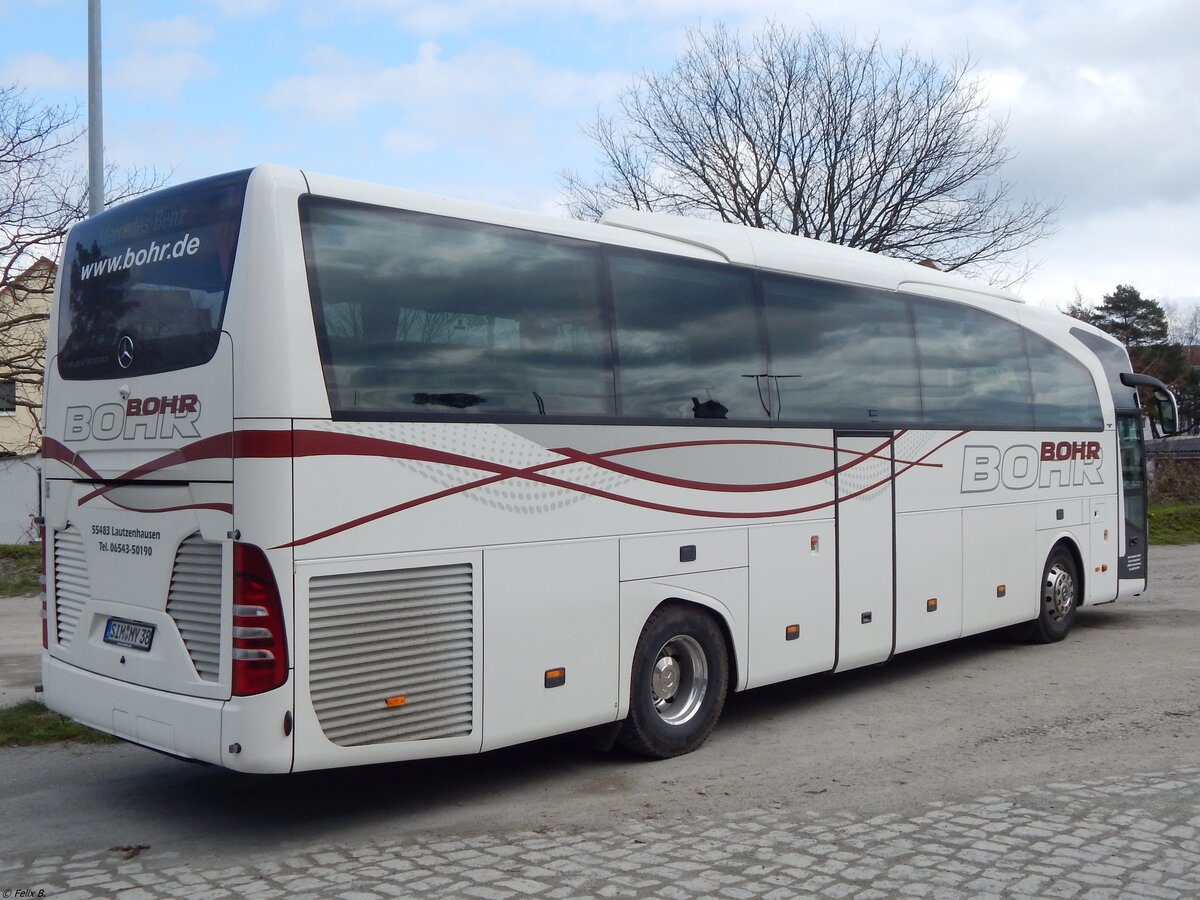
[1059,598]
[678,683]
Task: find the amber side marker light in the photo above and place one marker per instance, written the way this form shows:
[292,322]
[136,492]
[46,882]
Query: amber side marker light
[1001,590]
[395,702]
[556,677]
[931,604]
[791,633]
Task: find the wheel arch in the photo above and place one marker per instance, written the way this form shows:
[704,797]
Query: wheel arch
[640,600]
[1070,543]
[721,616]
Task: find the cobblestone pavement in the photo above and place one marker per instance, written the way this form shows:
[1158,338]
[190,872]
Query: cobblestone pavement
[1115,837]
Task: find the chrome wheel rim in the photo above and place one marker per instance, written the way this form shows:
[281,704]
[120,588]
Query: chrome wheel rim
[1058,593]
[679,680]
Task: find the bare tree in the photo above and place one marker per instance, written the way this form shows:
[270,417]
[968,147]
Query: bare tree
[813,134]
[43,191]
[1183,323]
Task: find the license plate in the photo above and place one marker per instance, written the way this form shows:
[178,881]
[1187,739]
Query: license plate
[123,633]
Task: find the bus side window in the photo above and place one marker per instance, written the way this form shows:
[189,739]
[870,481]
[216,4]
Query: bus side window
[424,314]
[840,353]
[688,338]
[1063,390]
[974,367]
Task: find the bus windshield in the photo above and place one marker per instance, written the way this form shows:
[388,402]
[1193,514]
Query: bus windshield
[147,282]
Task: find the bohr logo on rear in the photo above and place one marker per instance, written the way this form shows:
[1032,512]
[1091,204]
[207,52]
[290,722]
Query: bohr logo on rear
[138,418]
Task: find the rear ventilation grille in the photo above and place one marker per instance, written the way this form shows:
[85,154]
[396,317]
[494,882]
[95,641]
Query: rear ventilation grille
[380,636]
[72,590]
[194,602]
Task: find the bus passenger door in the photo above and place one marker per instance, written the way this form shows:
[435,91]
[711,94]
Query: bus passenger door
[1132,561]
[866,569]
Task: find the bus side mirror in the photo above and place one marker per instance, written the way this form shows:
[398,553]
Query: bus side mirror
[1164,400]
[1168,412]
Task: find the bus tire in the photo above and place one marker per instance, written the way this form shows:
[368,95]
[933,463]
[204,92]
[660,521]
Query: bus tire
[1058,598]
[678,683]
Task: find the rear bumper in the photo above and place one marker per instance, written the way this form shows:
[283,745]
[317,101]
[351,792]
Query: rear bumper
[183,726]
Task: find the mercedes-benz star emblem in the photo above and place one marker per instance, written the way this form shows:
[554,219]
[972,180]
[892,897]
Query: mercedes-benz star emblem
[125,352]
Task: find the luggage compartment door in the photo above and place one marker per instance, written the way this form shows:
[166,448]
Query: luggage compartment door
[866,570]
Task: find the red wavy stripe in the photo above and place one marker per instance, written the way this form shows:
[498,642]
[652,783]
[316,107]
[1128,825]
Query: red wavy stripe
[257,444]
[265,444]
[219,446]
[262,444]
[52,449]
[219,507]
[531,474]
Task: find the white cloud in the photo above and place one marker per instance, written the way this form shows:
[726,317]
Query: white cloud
[439,18]
[488,88]
[168,144]
[178,32]
[1151,247]
[403,142]
[246,9]
[39,71]
[158,75]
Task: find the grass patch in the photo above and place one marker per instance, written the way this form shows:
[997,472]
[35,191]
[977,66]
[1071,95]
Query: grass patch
[29,723]
[1174,523]
[19,569]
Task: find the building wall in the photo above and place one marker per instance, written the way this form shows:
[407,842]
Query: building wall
[19,498]
[24,306]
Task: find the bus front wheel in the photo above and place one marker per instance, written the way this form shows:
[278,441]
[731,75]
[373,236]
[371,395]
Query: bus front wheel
[1059,598]
[678,683]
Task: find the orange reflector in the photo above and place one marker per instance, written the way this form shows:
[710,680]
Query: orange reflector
[1001,590]
[931,604]
[393,702]
[791,633]
[1104,568]
[814,543]
[556,677]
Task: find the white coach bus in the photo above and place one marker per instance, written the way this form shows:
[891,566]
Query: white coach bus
[342,474]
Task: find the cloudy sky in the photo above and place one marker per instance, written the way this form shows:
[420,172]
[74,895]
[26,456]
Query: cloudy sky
[484,98]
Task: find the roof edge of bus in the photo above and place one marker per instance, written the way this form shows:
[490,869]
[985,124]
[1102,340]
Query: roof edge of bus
[952,287]
[731,241]
[739,243]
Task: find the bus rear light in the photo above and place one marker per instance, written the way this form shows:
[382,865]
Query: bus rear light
[243,632]
[260,658]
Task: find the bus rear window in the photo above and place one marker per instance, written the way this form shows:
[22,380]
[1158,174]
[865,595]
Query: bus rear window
[147,281]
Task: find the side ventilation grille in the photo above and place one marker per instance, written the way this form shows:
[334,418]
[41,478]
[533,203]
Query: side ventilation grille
[404,636]
[72,590]
[194,602]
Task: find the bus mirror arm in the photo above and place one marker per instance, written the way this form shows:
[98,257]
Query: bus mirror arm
[1168,411]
